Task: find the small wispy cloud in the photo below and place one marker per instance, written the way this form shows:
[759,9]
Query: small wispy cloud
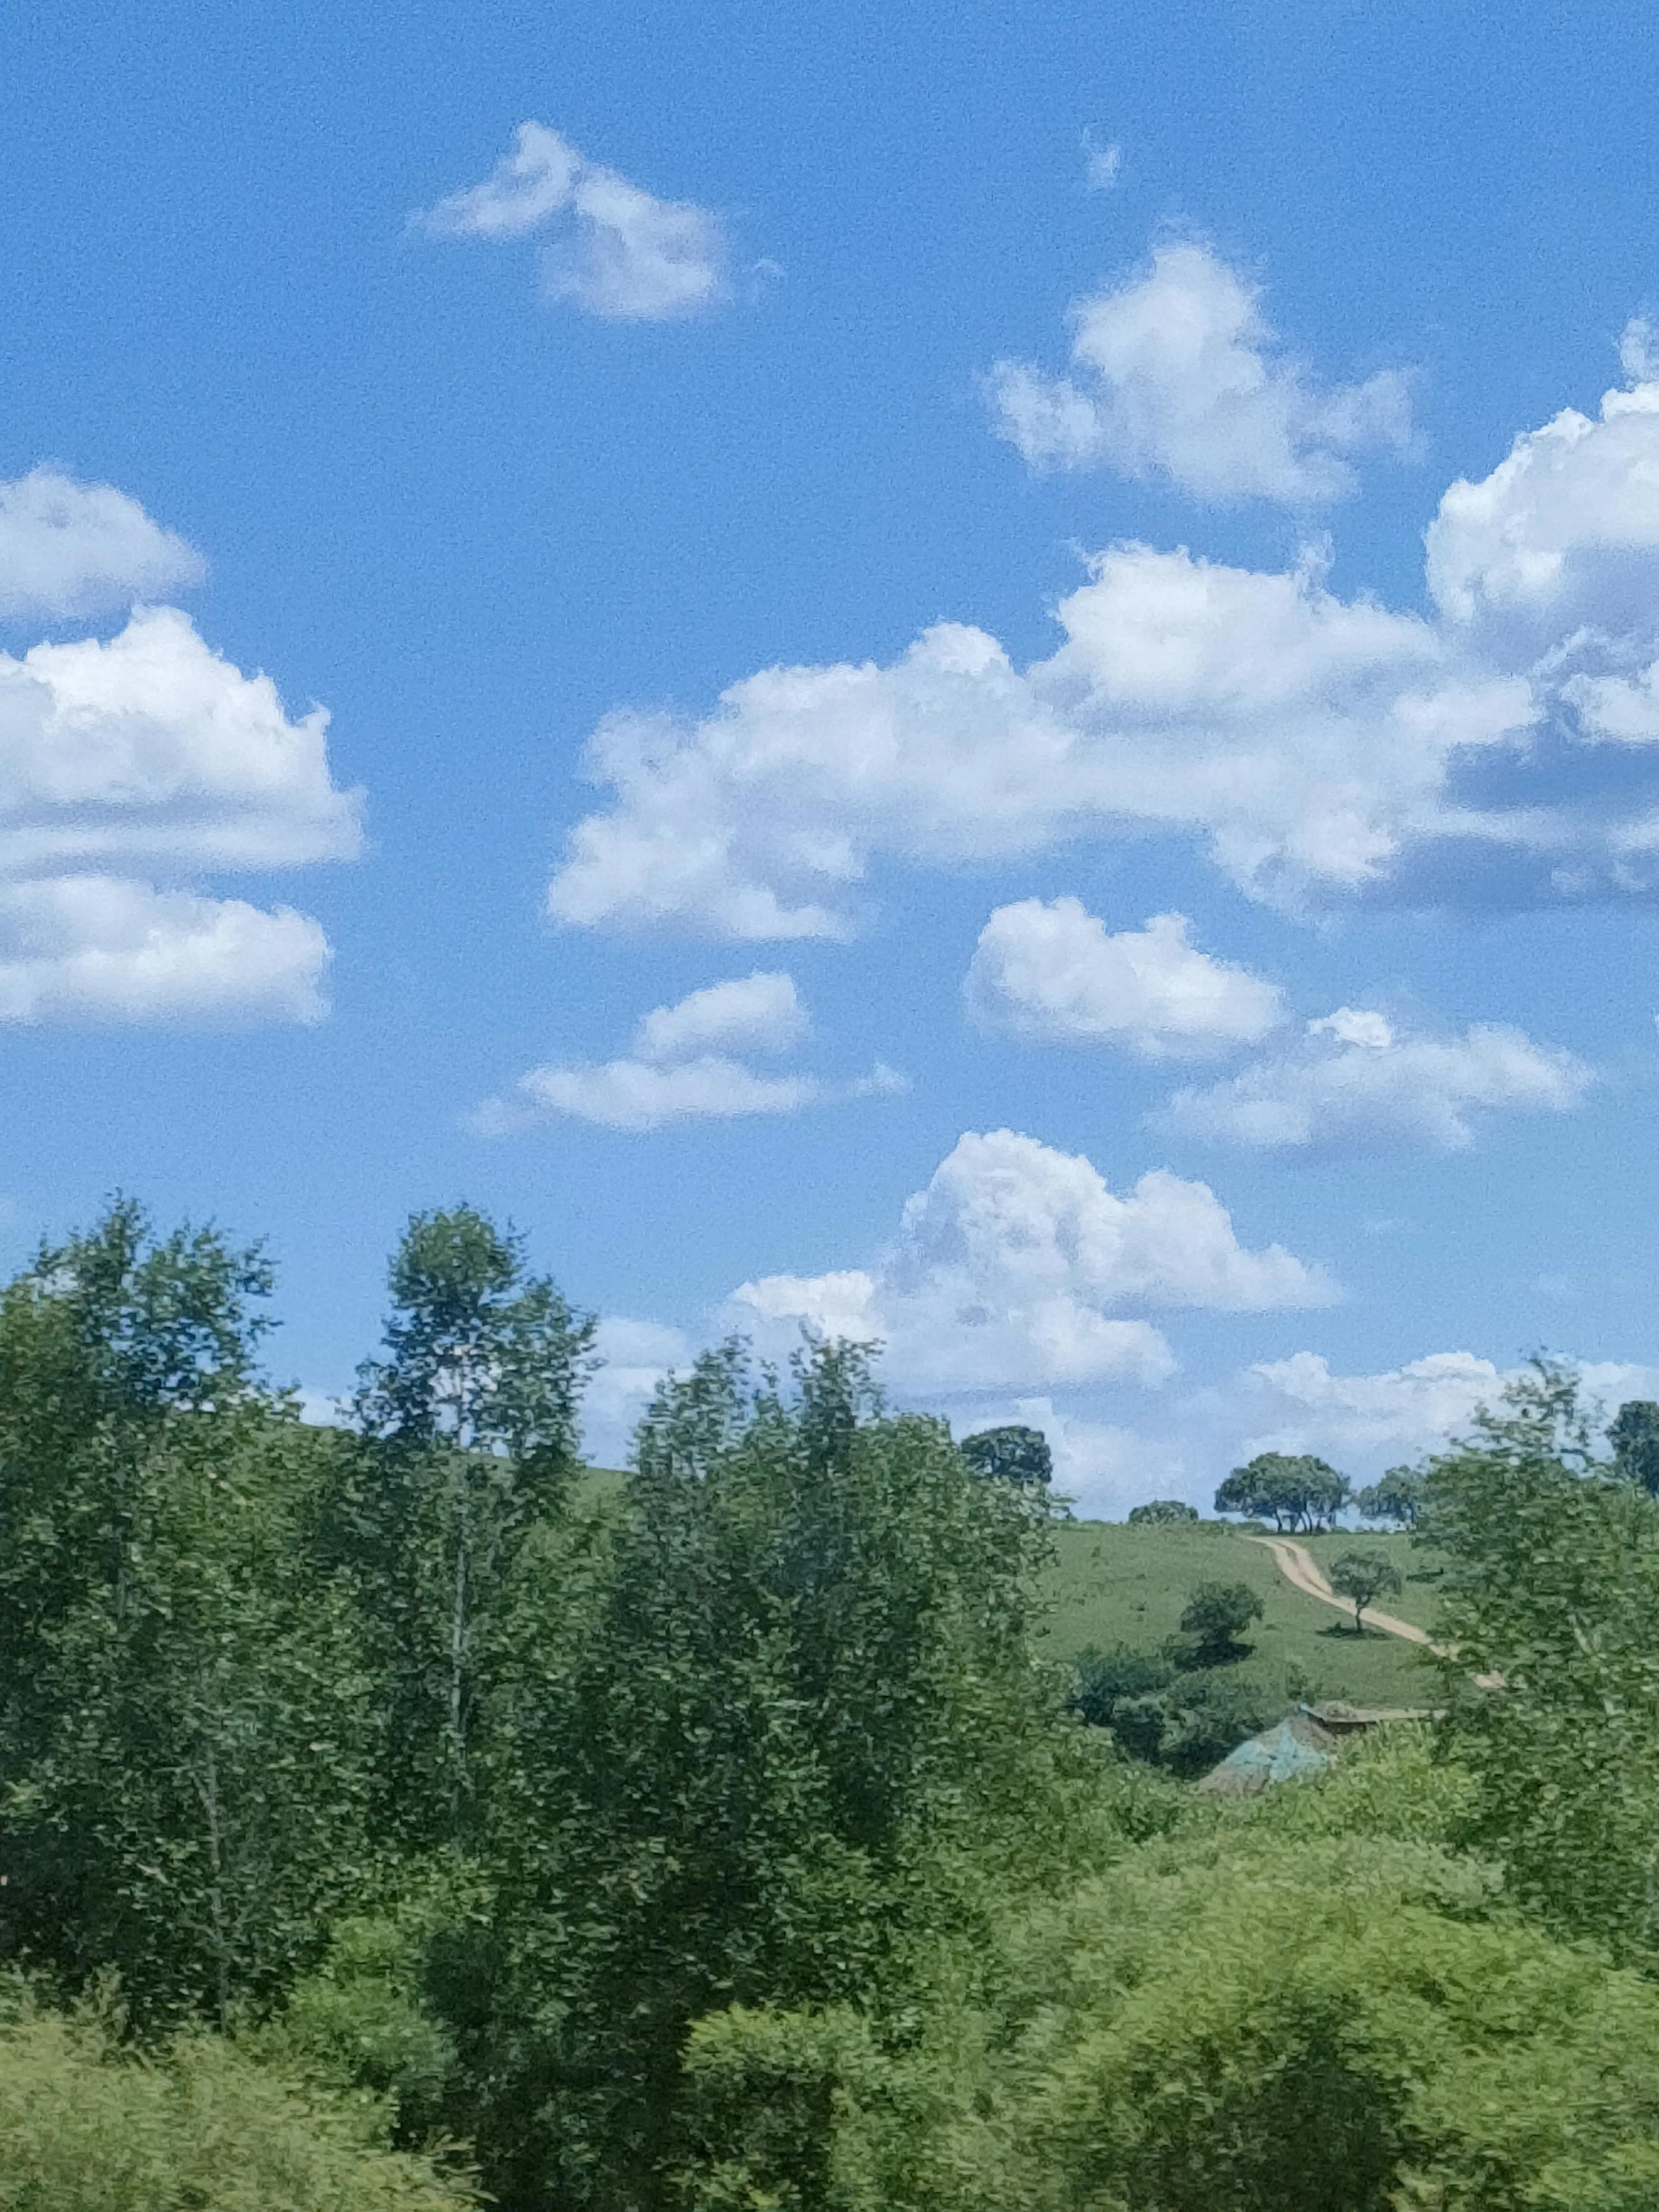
[1102,164]
[611,248]
[681,1067]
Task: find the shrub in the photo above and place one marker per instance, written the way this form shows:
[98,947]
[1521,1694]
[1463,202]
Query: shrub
[200,2128]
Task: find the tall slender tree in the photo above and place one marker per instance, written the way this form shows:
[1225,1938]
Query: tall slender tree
[469,1430]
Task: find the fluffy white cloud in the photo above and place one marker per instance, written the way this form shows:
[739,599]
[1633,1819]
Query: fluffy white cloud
[1565,531]
[1317,747]
[1053,975]
[1014,1267]
[613,248]
[1177,374]
[100,949]
[681,1069]
[1306,739]
[149,752]
[150,748]
[760,1012]
[1412,1408]
[1353,1079]
[68,547]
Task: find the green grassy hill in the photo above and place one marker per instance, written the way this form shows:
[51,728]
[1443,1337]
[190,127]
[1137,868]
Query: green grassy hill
[1114,1585]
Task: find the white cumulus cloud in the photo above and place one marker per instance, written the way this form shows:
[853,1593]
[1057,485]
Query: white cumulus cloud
[128,768]
[1564,531]
[1353,1078]
[1052,974]
[761,1012]
[1175,372]
[75,548]
[97,949]
[611,248]
[681,1067]
[1305,738]
[1017,1268]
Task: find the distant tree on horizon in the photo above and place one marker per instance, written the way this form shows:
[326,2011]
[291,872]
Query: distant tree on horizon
[1162,1512]
[1396,1496]
[1298,1491]
[1014,1454]
[1634,1436]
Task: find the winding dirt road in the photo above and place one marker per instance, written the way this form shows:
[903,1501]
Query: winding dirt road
[1297,1565]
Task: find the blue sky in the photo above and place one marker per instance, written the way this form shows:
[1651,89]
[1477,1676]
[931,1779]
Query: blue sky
[648,616]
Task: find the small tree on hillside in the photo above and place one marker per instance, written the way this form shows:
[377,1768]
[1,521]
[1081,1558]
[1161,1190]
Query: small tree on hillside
[1363,1577]
[1396,1496]
[1014,1454]
[1162,1512]
[1216,1614]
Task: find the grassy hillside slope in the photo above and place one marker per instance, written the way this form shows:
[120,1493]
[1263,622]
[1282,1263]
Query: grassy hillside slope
[1114,1585]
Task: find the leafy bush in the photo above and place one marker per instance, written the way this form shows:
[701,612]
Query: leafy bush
[1216,1616]
[198,2128]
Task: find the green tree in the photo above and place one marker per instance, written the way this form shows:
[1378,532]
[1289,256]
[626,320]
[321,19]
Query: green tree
[469,1429]
[1162,1513]
[1297,1492]
[182,1739]
[757,1727]
[1634,1436]
[1363,1577]
[1551,1589]
[1216,1615]
[1014,1454]
[1395,1496]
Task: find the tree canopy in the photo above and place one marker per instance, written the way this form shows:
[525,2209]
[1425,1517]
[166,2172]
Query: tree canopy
[1294,1492]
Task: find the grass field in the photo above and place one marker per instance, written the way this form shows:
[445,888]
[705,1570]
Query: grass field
[1114,1585]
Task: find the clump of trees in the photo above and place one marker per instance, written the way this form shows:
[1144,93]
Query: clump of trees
[722,1840]
[1396,1496]
[1293,1491]
[1162,1513]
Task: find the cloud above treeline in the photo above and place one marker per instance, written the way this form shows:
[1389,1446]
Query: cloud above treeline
[131,767]
[1051,973]
[1018,1267]
[1320,749]
[683,1067]
[608,246]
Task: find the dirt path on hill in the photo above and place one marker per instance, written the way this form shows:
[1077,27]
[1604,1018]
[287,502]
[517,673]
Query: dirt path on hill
[1298,1566]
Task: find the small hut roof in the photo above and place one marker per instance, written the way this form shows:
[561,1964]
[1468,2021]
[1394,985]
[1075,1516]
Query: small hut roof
[1295,1745]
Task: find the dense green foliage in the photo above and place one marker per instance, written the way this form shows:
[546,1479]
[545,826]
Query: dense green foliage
[1216,1616]
[1396,1496]
[724,1834]
[194,2126]
[1014,1454]
[1296,1491]
[1161,1512]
